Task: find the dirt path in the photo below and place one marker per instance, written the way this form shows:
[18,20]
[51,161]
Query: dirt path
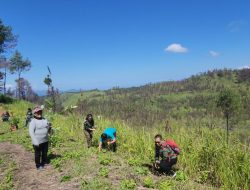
[26,177]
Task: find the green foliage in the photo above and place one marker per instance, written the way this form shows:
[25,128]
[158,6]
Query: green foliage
[104,171]
[73,154]
[5,99]
[65,178]
[55,140]
[17,64]
[128,184]
[48,80]
[14,121]
[134,162]
[148,182]
[180,176]
[229,101]
[95,184]
[7,175]
[141,170]
[166,185]
[7,38]
[104,160]
[57,163]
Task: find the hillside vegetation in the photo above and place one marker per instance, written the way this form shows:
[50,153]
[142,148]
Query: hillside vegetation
[192,100]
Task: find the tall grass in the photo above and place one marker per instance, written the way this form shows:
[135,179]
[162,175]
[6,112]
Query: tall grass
[205,157]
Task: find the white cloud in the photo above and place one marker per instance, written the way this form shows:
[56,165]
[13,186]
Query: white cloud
[237,25]
[214,53]
[176,48]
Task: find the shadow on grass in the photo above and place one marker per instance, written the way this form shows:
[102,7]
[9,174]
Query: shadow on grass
[53,156]
[157,171]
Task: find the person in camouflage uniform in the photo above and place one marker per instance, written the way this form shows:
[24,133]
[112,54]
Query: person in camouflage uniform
[88,128]
[165,157]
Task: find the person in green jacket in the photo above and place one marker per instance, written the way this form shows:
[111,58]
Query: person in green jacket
[88,128]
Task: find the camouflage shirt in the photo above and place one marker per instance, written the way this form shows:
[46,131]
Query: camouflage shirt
[164,153]
[87,126]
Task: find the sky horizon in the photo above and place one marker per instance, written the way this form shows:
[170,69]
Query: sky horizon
[93,44]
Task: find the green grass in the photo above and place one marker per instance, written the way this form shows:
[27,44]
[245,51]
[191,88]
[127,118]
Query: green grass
[7,168]
[71,99]
[206,161]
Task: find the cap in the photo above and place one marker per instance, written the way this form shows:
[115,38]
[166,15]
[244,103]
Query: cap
[37,109]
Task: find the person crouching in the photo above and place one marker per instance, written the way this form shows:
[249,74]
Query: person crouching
[108,139]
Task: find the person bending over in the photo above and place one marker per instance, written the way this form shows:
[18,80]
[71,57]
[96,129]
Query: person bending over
[108,139]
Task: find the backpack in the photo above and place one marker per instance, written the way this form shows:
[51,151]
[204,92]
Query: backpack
[172,144]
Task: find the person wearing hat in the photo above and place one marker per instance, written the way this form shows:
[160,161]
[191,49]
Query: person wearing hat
[88,128]
[38,130]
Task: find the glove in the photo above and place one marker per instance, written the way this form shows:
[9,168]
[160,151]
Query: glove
[157,162]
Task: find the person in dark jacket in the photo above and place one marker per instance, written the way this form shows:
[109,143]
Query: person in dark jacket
[5,116]
[165,157]
[29,116]
[88,128]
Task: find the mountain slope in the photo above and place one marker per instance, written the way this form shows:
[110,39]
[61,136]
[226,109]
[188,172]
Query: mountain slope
[194,97]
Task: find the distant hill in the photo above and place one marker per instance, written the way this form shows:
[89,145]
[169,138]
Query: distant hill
[191,97]
[41,92]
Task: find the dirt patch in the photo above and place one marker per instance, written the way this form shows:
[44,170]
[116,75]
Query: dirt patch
[27,177]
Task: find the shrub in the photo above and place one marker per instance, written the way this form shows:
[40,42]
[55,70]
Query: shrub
[5,99]
[148,182]
[128,184]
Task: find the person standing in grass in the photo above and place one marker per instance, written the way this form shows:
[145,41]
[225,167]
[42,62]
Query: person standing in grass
[108,139]
[165,156]
[88,128]
[38,130]
[29,116]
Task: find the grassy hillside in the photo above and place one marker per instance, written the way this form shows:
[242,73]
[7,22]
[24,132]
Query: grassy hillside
[190,99]
[71,99]
[206,161]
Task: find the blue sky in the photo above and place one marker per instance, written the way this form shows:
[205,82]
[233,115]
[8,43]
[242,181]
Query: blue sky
[101,44]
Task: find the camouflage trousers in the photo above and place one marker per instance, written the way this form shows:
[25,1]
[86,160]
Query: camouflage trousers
[89,136]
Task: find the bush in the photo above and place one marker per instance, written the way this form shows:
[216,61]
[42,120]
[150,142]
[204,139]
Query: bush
[5,99]
[148,182]
[103,171]
[128,184]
